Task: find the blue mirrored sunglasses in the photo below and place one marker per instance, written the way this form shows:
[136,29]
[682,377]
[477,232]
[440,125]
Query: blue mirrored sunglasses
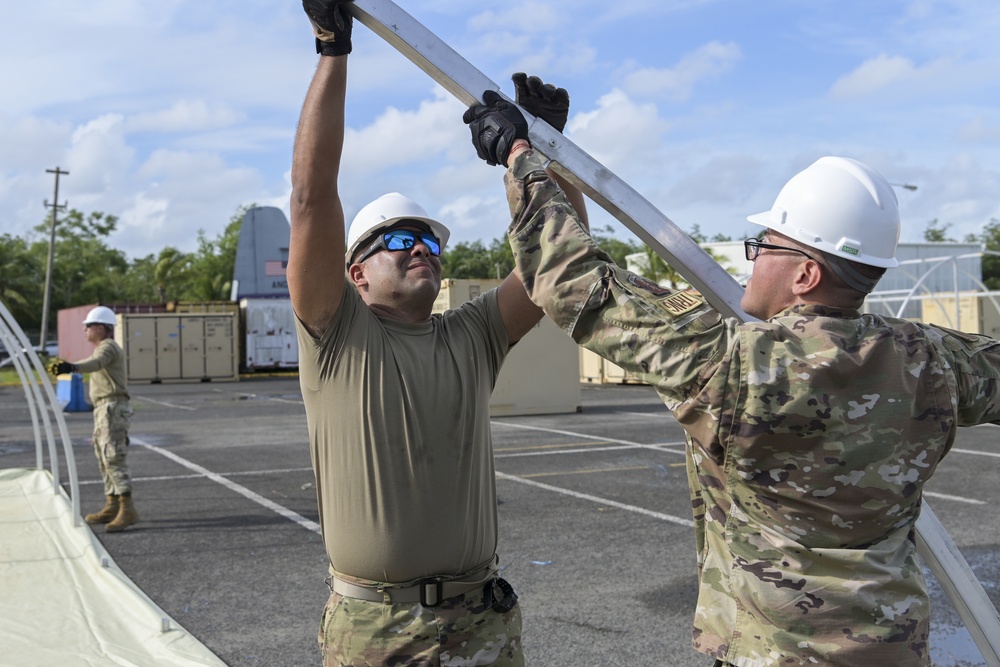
[402,239]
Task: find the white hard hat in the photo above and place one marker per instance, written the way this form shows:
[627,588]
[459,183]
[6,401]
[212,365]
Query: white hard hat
[386,211]
[840,206]
[101,315]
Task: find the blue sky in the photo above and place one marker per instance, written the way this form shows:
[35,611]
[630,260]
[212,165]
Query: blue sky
[172,114]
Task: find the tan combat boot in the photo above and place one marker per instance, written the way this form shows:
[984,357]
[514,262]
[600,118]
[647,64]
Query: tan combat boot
[106,513]
[126,515]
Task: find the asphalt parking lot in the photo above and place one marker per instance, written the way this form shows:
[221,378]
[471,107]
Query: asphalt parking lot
[595,522]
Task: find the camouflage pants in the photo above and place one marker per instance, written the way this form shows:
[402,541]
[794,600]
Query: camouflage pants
[462,631]
[111,423]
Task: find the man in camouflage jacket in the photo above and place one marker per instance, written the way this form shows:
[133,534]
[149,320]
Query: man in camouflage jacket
[811,432]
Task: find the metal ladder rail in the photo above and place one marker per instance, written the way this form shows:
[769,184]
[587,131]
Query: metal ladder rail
[461,79]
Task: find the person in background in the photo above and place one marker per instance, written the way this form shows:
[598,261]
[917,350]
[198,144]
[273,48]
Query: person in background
[112,417]
[397,405]
[811,432]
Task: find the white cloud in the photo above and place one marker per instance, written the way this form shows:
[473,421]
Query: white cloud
[678,83]
[721,179]
[878,74]
[99,158]
[146,218]
[468,211]
[619,133]
[397,137]
[185,116]
[979,130]
[31,142]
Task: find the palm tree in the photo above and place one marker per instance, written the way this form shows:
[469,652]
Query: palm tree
[168,271]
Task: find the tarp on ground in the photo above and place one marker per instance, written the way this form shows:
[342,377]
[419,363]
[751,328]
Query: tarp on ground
[64,601]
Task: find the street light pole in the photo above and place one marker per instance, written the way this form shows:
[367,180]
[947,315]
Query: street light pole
[906,186]
[48,267]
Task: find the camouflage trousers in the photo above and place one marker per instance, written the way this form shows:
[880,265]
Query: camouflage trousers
[111,423]
[463,631]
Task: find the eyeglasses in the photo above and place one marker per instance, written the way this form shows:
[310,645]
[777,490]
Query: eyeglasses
[752,247]
[402,239]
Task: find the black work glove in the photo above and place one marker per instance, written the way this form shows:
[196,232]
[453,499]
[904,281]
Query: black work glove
[542,100]
[495,126]
[59,367]
[332,25]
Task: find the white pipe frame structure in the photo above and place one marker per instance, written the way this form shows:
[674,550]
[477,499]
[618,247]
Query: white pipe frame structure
[461,79]
[41,401]
[938,263]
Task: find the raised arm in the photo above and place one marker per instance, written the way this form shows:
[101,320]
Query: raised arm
[507,131]
[316,277]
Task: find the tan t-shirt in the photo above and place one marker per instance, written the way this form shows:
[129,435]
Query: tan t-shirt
[107,372]
[399,432]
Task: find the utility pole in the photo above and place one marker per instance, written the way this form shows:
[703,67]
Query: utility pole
[52,248]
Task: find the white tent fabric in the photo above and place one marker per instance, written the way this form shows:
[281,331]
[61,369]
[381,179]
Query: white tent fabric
[64,601]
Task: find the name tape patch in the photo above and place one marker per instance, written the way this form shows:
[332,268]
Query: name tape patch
[680,303]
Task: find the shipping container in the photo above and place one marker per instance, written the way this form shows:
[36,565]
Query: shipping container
[179,348]
[976,312]
[541,374]
[72,343]
[269,338]
[203,307]
[598,370]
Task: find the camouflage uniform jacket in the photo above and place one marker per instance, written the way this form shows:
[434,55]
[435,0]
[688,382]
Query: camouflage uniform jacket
[810,438]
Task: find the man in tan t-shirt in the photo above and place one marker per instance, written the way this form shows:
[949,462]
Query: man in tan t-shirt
[112,417]
[397,403]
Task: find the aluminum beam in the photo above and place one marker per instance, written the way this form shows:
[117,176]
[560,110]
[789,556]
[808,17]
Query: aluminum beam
[461,79]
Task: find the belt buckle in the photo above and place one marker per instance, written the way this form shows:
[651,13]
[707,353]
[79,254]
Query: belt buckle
[438,592]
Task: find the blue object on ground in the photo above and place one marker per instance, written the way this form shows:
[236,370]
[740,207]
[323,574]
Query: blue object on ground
[69,393]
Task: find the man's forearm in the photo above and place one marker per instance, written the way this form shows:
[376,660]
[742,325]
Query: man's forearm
[553,253]
[316,283]
[572,192]
[319,139]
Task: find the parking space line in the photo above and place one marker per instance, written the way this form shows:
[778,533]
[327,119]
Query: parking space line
[169,405]
[540,447]
[584,450]
[600,501]
[957,499]
[583,472]
[170,478]
[585,436]
[233,486]
[976,453]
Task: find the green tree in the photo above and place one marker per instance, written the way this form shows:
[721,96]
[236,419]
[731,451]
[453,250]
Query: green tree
[615,247]
[476,260]
[699,237]
[659,271]
[169,273]
[936,232]
[212,265]
[990,240]
[140,283]
[468,260]
[84,268]
[20,275]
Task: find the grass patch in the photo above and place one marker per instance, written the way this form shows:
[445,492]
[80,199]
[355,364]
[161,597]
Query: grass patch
[9,376]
